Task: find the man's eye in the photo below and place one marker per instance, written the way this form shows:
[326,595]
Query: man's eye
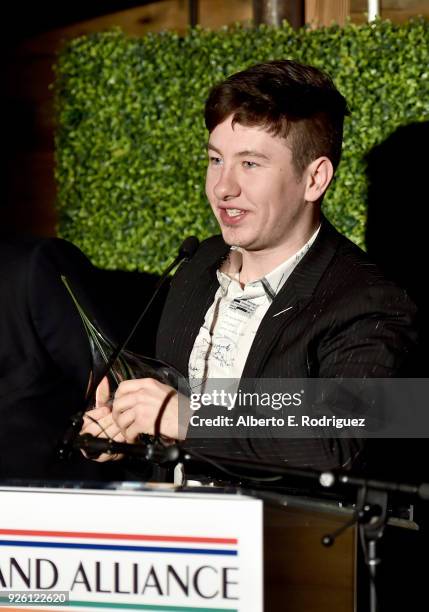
[250,164]
[215,161]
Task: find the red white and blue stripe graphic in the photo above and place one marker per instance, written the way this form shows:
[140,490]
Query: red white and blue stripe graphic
[119,542]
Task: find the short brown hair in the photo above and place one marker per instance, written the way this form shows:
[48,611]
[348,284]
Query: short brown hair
[287,99]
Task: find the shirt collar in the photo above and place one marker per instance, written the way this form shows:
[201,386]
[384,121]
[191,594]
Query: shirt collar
[271,282]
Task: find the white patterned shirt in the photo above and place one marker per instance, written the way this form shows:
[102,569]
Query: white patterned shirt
[223,343]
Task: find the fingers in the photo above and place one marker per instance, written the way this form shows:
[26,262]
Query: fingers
[100,424]
[135,404]
[97,413]
[96,420]
[145,405]
[128,386]
[124,420]
[123,403]
[132,432]
[149,385]
[102,428]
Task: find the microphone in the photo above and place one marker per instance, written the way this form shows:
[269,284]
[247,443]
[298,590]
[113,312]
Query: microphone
[423,491]
[149,450]
[186,251]
[328,479]
[188,247]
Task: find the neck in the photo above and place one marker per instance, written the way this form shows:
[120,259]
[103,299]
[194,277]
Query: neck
[257,264]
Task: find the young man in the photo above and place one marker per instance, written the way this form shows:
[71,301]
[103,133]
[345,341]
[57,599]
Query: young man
[281,294]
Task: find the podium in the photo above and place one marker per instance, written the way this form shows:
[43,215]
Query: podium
[140,547]
[300,573]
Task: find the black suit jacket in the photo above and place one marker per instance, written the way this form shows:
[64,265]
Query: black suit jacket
[45,359]
[340,318]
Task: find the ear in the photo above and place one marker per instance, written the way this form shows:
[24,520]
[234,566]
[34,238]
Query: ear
[319,175]
[102,394]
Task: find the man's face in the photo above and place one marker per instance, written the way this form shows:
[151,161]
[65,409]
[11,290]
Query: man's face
[253,189]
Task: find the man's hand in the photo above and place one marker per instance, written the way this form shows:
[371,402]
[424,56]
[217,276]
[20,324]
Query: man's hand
[139,402]
[99,423]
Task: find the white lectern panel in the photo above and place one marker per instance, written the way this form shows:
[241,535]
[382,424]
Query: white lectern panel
[125,550]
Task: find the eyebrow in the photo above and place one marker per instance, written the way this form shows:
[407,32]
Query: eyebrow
[246,153]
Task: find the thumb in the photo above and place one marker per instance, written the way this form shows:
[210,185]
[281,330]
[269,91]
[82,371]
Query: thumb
[102,394]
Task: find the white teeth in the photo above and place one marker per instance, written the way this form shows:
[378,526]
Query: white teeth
[233,212]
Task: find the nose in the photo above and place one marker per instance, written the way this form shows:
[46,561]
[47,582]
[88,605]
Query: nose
[227,187]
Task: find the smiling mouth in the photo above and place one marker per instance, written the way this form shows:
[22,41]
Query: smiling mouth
[234,212]
[231,216]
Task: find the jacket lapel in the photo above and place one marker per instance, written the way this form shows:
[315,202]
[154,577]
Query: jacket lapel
[196,300]
[295,294]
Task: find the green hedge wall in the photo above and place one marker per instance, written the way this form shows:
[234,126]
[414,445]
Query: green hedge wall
[131,138]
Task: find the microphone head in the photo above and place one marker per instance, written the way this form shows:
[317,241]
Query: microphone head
[188,247]
[423,490]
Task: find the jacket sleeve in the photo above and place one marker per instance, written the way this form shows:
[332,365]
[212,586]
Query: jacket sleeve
[377,336]
[56,321]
